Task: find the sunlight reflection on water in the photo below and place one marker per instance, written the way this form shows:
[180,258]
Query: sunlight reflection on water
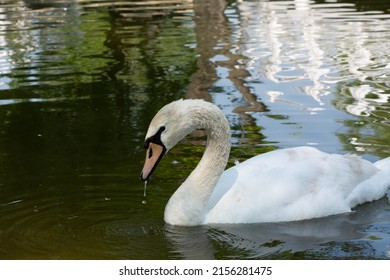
[289,41]
[298,54]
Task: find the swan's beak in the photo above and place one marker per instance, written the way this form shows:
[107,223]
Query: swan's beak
[154,153]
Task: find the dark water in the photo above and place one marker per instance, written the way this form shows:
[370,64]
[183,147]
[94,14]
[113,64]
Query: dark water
[80,81]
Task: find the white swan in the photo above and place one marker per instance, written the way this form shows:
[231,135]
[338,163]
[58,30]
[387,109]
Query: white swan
[282,185]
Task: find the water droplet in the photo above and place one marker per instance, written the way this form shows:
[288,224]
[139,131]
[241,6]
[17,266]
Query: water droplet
[144,201]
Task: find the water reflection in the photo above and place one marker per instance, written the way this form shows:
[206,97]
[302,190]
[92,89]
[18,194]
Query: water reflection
[218,63]
[321,237]
[36,52]
[311,50]
[80,81]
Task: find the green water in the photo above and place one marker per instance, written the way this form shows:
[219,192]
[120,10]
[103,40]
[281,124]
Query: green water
[80,82]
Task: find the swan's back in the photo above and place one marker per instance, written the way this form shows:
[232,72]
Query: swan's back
[294,184]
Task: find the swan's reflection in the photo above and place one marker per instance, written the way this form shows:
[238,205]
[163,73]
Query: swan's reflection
[271,240]
[190,242]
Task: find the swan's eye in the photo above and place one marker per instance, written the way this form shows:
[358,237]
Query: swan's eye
[156,139]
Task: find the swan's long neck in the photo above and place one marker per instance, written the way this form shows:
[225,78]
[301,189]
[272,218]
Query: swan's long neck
[188,204]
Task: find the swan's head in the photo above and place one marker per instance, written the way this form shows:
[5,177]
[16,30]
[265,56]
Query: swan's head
[171,124]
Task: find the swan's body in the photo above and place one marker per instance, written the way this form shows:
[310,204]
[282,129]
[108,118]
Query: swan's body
[283,185]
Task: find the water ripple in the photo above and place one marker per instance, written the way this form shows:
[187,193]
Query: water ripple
[316,48]
[54,227]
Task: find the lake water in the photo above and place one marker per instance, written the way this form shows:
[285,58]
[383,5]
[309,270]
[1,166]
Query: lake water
[81,80]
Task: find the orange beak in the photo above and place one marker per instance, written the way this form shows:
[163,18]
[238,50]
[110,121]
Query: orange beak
[154,153]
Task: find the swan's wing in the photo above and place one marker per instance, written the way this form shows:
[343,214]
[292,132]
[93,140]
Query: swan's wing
[287,184]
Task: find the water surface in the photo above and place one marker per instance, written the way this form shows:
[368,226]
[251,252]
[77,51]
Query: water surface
[80,81]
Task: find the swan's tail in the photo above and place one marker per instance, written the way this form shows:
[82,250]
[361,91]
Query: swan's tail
[383,164]
[373,188]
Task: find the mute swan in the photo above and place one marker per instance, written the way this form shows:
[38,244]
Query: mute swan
[282,185]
